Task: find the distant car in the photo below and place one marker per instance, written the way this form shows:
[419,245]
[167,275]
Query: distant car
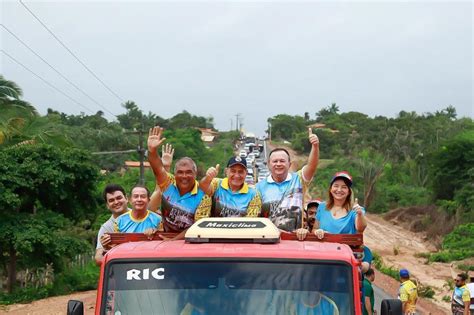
[243,154]
[263,171]
[249,180]
[250,171]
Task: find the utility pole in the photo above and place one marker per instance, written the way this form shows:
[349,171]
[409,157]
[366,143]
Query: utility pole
[141,152]
[140,149]
[270,131]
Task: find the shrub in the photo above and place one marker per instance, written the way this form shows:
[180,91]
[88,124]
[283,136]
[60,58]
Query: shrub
[24,295]
[465,267]
[426,292]
[77,279]
[388,270]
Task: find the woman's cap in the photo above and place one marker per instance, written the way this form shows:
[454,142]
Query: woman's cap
[344,175]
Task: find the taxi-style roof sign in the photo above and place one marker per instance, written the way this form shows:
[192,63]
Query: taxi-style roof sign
[219,230]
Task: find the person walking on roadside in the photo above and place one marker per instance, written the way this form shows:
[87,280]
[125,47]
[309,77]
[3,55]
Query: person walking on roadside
[231,196]
[461,298]
[470,286]
[283,192]
[369,301]
[408,293]
[116,201]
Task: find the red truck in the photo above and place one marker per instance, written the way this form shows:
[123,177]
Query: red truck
[231,266]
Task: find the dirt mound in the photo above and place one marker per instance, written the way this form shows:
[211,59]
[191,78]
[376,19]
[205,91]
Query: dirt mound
[428,219]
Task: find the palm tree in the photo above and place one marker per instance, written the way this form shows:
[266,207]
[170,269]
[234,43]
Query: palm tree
[20,122]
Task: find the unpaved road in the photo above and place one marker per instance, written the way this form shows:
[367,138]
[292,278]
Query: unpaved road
[381,236]
[52,306]
[398,247]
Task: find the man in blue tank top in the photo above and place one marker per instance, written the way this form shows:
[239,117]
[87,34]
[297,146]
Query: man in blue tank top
[139,219]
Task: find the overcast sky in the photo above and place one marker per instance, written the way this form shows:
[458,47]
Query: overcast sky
[259,59]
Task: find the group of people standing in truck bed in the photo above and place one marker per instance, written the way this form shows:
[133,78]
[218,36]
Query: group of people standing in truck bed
[179,199]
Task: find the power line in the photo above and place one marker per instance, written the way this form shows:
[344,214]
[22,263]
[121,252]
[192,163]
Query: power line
[49,84]
[72,54]
[55,70]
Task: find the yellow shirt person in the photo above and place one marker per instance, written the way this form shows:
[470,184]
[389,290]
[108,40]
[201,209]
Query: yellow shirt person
[408,293]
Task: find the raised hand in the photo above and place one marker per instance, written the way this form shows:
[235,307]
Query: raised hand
[154,138]
[313,138]
[167,152]
[212,172]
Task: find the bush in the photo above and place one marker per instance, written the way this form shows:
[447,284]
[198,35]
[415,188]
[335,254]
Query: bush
[466,268]
[24,295]
[426,292]
[446,298]
[461,238]
[387,270]
[77,279]
[70,280]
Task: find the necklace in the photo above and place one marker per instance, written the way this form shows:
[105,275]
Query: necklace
[336,211]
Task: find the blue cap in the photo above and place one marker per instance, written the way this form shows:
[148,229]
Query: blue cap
[237,160]
[404,273]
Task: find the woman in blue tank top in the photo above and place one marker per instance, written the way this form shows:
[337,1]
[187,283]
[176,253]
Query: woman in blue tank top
[338,215]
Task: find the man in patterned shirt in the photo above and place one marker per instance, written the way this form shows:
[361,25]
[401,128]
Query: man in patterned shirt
[231,196]
[282,192]
[461,297]
[183,202]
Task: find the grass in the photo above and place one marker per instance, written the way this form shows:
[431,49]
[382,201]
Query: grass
[465,267]
[71,280]
[387,270]
[423,291]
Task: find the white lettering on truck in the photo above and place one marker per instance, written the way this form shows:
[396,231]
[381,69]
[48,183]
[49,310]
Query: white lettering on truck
[134,274]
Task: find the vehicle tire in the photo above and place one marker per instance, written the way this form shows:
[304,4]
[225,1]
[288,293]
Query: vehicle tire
[391,307]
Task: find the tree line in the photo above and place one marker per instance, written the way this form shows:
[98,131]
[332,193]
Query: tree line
[409,160]
[51,183]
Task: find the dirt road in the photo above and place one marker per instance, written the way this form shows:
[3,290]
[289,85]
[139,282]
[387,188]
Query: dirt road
[52,306]
[398,247]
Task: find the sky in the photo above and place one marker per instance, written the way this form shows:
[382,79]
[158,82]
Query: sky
[252,58]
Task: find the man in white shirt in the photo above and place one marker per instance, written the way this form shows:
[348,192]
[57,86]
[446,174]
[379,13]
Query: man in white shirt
[116,201]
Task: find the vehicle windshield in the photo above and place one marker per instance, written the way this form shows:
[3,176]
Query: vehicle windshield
[228,287]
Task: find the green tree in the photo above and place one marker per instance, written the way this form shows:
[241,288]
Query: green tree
[326,112]
[40,187]
[285,126]
[452,166]
[371,165]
